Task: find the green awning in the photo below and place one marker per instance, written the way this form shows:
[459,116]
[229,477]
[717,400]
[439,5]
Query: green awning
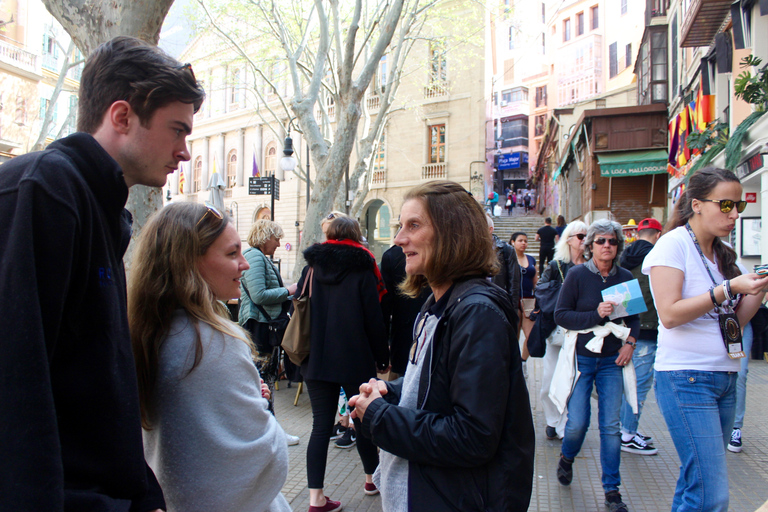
[569,152]
[633,163]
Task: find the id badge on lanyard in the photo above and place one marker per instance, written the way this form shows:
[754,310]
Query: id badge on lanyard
[730,329]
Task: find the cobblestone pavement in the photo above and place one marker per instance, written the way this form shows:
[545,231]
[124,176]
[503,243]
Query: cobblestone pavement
[648,481]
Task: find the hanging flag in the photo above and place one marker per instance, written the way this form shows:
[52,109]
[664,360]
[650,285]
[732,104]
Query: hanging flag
[181,178]
[214,164]
[673,141]
[683,153]
[693,116]
[255,172]
[705,109]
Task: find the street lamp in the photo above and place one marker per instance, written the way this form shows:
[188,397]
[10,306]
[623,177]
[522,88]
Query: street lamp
[287,164]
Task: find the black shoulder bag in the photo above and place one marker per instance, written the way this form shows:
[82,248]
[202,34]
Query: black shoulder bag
[275,326]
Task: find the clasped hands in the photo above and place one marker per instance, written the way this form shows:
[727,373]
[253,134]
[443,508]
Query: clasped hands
[369,392]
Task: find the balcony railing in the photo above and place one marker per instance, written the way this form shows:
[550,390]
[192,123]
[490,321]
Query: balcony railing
[655,9]
[702,21]
[436,89]
[19,57]
[373,103]
[433,171]
[379,177]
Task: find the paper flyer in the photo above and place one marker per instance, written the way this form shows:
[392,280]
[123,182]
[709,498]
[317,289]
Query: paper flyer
[628,297]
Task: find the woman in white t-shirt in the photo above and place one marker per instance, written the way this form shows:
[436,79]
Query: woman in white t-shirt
[695,282]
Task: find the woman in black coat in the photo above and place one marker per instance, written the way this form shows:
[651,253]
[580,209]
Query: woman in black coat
[348,344]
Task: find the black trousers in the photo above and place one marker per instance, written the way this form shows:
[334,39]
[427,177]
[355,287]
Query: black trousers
[549,254]
[324,398]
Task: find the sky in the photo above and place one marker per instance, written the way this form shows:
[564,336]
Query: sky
[177,29]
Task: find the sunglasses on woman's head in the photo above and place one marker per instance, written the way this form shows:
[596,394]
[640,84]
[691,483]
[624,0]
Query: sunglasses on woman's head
[212,210]
[726,205]
[331,216]
[611,241]
[580,236]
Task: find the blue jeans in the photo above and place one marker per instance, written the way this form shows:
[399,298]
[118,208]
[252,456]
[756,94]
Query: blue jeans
[607,378]
[699,407]
[643,359]
[741,382]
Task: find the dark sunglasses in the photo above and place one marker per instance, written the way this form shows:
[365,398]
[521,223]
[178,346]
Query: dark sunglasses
[212,210]
[189,67]
[331,216]
[726,205]
[611,241]
[580,236]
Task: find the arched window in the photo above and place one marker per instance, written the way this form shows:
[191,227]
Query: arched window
[270,160]
[232,168]
[197,176]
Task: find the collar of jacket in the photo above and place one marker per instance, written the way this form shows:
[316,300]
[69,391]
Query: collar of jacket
[590,264]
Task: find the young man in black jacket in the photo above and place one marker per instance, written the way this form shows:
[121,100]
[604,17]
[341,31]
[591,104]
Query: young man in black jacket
[648,233]
[69,409]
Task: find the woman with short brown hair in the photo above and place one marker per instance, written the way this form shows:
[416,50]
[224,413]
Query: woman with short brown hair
[445,443]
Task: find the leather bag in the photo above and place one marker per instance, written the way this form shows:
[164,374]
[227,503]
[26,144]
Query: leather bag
[296,340]
[548,293]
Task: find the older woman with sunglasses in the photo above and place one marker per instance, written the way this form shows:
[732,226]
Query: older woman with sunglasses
[569,252]
[602,348]
[697,286]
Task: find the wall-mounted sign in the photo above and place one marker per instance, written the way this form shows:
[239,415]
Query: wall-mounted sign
[512,160]
[751,197]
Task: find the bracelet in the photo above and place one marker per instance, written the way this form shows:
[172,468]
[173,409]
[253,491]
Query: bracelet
[727,288]
[712,296]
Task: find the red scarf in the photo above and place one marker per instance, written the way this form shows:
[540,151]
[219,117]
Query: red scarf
[379,281]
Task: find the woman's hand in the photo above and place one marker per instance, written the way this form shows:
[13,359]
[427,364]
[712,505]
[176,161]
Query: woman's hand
[604,309]
[751,284]
[625,354]
[291,289]
[265,390]
[369,392]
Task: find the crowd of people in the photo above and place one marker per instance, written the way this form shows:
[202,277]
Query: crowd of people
[142,394]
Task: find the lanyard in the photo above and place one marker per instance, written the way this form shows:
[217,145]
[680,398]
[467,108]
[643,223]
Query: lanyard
[706,266]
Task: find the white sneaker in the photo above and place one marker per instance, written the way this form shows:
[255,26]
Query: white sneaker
[292,440]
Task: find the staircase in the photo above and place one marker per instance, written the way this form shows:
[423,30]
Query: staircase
[504,226]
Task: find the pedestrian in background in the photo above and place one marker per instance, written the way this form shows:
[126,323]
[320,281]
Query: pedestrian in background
[209,435]
[446,443]
[69,404]
[508,277]
[547,236]
[560,226]
[648,233]
[528,279]
[349,344]
[702,297]
[595,352]
[569,252]
[400,310]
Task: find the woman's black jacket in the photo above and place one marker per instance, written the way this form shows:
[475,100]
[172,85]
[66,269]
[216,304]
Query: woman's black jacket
[470,443]
[348,339]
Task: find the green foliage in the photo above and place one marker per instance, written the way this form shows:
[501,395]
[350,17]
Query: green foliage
[752,89]
[733,147]
[716,135]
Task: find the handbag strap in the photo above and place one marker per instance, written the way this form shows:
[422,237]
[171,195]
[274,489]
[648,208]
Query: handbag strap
[562,278]
[307,280]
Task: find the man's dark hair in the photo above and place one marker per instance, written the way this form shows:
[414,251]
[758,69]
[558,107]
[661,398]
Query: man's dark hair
[132,70]
[548,220]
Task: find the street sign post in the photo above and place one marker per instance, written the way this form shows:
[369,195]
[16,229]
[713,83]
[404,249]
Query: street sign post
[267,186]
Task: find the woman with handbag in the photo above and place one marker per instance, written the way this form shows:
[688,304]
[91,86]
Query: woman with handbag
[528,279]
[569,252]
[264,300]
[348,344]
[209,436]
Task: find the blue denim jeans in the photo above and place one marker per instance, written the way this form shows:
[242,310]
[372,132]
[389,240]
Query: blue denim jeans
[608,380]
[699,407]
[741,382]
[643,359]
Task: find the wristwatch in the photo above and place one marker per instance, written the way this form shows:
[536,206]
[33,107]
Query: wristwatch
[632,344]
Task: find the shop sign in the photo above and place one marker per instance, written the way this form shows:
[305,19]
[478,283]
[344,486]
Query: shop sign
[751,197]
[512,160]
[754,163]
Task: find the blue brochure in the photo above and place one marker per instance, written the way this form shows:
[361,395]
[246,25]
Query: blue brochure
[628,297]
